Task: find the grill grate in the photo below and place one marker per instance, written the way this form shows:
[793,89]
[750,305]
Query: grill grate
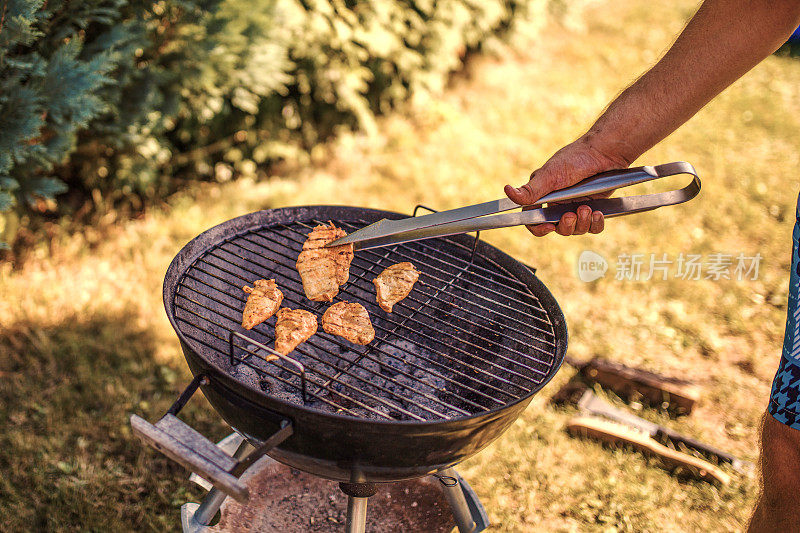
[469,338]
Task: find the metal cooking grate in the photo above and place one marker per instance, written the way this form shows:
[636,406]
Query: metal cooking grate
[469,338]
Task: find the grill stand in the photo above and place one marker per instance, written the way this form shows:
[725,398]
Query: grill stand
[213,501]
[196,518]
[468,512]
[458,501]
[357,494]
[356,515]
[181,443]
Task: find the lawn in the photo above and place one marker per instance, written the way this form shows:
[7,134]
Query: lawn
[84,341]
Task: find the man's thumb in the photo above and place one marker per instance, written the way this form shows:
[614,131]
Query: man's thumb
[531,191]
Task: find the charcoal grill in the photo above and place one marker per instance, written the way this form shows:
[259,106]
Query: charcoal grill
[449,370]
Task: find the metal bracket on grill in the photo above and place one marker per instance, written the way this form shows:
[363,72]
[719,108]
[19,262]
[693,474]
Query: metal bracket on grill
[477,233]
[181,443]
[297,364]
[447,481]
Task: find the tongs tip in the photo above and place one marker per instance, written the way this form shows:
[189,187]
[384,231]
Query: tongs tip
[359,234]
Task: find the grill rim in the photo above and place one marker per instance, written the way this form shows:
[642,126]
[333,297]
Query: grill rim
[230,229]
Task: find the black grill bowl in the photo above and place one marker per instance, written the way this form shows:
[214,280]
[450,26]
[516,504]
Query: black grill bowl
[483,331]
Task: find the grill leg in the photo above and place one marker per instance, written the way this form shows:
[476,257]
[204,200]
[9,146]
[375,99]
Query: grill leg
[356,515]
[357,495]
[458,503]
[213,500]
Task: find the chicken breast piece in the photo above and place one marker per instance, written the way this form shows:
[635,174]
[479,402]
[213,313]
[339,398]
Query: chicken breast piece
[265,298]
[349,320]
[324,270]
[294,326]
[394,284]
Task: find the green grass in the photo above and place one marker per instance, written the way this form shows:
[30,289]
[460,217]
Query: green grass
[84,341]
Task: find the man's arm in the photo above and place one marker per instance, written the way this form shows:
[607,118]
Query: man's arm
[724,40]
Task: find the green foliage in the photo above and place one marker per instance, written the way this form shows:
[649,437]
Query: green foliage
[50,89]
[121,96]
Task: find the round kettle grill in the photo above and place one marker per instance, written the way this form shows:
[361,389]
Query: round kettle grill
[449,370]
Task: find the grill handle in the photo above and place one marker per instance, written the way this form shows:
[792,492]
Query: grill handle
[184,445]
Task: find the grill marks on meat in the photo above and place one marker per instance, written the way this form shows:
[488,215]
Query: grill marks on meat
[349,320]
[265,298]
[394,284]
[293,327]
[324,270]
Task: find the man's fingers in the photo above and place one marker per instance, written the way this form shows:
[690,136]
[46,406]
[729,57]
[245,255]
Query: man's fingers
[540,230]
[584,220]
[566,226]
[598,222]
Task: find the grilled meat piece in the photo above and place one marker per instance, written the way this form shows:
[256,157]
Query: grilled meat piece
[349,320]
[323,270]
[293,327]
[265,298]
[394,284]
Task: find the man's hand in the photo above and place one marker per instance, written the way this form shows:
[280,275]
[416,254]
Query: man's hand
[724,39]
[568,166]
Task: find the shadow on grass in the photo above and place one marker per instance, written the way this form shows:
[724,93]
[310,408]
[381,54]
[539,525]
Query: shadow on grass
[68,456]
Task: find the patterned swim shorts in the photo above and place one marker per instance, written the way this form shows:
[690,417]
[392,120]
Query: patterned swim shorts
[784,401]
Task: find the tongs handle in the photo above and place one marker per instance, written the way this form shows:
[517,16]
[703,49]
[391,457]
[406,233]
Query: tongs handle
[483,216]
[610,207]
[603,182]
[626,205]
[614,179]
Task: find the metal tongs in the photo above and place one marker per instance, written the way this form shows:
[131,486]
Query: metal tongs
[474,217]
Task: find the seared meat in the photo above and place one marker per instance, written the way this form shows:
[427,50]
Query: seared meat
[293,327]
[265,298]
[394,284]
[349,320]
[323,270]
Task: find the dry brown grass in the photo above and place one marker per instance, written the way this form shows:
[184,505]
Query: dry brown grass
[84,340]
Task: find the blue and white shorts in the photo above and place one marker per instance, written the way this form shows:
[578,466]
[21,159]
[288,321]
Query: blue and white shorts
[784,400]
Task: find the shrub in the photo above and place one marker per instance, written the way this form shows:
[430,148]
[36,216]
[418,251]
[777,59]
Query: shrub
[123,98]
